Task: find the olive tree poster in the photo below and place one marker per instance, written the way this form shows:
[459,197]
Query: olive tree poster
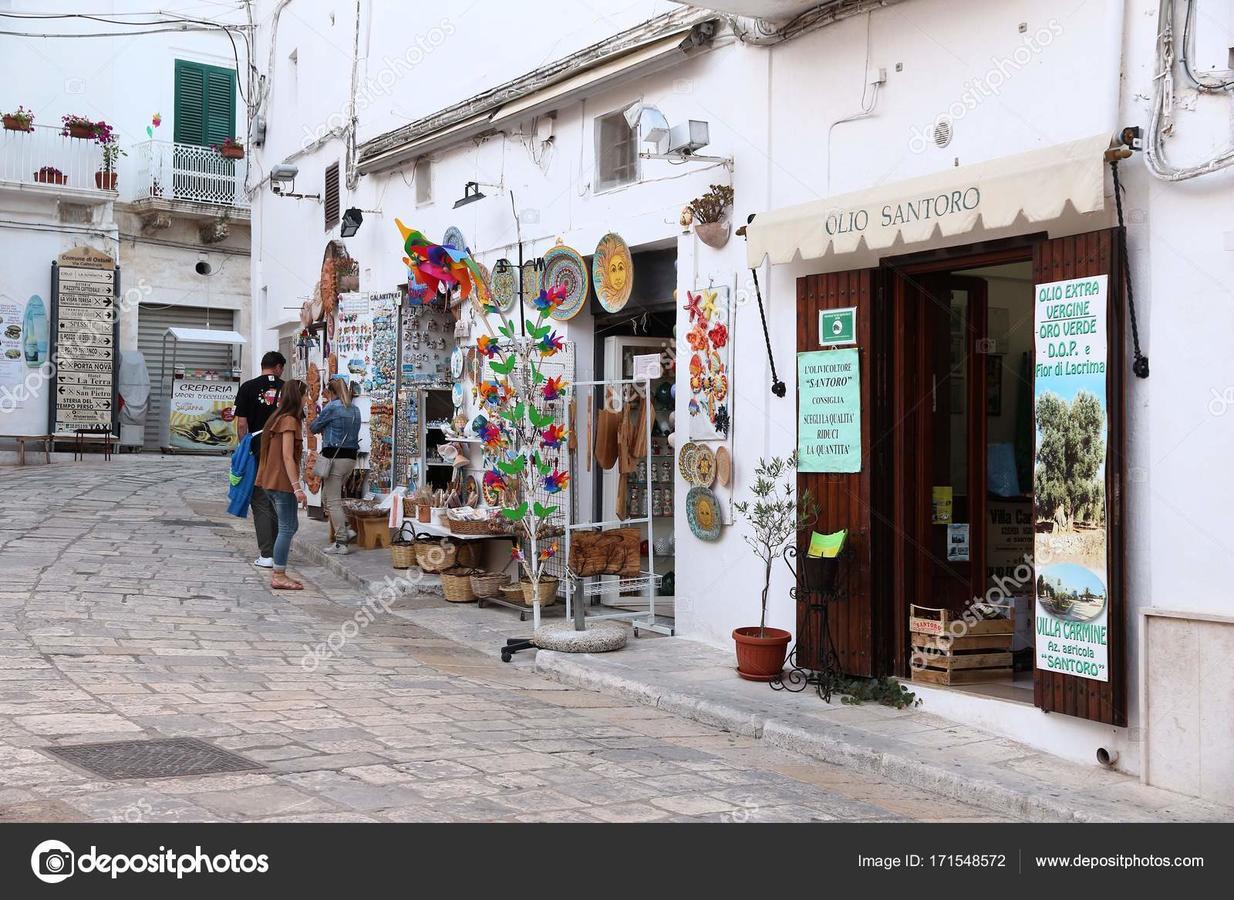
[1069,477]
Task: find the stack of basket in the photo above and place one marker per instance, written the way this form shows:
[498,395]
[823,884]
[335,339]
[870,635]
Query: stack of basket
[456,584]
[487,584]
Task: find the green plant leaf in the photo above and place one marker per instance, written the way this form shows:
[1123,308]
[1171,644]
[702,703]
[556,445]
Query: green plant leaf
[505,367]
[540,332]
[517,513]
[514,466]
[506,329]
[539,419]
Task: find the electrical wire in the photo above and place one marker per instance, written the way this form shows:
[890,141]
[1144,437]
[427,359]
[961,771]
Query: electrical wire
[1185,57]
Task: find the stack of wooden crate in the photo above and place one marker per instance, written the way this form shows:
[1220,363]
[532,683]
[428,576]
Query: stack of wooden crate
[948,650]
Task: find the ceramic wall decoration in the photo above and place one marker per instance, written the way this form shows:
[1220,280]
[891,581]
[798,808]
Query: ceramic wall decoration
[564,268]
[454,238]
[685,460]
[703,472]
[709,339]
[703,514]
[724,467]
[529,281]
[505,285]
[456,362]
[612,272]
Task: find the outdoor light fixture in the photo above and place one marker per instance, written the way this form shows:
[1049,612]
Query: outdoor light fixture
[352,220]
[471,193]
[283,182]
[651,124]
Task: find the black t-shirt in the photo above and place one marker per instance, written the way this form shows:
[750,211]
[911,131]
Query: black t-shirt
[255,402]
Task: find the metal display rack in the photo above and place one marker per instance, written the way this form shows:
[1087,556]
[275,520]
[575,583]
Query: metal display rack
[648,580]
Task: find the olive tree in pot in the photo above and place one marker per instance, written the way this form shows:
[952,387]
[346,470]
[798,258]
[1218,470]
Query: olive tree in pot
[775,517]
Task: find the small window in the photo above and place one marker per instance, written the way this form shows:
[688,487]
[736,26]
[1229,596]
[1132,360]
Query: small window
[422,175]
[332,201]
[616,152]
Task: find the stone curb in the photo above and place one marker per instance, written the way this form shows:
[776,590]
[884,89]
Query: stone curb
[836,745]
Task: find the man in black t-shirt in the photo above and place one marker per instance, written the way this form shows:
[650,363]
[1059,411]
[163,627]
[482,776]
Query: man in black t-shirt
[255,402]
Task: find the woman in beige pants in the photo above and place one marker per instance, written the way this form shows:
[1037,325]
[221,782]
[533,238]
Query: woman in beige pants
[339,425]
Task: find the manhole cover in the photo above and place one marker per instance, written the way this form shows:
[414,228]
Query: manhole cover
[160,758]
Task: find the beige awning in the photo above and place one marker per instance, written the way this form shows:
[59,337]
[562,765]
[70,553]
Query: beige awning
[1037,185]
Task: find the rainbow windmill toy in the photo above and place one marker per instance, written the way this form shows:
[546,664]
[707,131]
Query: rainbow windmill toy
[434,268]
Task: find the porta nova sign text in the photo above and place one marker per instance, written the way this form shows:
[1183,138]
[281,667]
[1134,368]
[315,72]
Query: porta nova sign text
[905,212]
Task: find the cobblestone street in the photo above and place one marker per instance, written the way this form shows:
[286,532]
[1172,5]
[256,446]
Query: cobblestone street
[131,611]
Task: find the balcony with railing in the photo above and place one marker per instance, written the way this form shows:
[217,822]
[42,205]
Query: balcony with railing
[46,159]
[187,175]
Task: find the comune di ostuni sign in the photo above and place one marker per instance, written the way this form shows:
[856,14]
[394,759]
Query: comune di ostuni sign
[1072,436]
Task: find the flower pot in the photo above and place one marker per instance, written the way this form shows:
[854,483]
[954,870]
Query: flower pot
[12,123]
[43,177]
[713,234]
[760,658]
[105,181]
[819,574]
[231,152]
[85,132]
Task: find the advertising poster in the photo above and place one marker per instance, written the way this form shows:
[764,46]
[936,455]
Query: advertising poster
[1069,477]
[829,411]
[202,414]
[12,332]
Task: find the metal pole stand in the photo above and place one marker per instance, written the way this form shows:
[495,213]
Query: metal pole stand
[818,586]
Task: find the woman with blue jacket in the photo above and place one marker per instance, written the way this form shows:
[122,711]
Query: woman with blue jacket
[339,424]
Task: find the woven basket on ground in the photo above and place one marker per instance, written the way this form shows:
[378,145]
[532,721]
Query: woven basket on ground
[436,555]
[547,589]
[456,584]
[488,584]
[403,548]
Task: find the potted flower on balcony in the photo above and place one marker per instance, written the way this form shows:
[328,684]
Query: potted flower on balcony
[105,178]
[22,120]
[50,175]
[710,215]
[775,517]
[230,149]
[79,127]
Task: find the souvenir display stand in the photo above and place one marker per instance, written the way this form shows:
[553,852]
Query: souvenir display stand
[579,591]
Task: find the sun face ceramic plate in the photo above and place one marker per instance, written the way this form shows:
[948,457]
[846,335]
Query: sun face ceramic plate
[564,267]
[703,513]
[454,238]
[612,272]
[504,282]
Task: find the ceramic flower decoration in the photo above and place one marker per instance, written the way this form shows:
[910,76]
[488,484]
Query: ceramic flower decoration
[697,337]
[718,335]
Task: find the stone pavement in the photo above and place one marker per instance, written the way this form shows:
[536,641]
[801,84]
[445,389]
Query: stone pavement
[130,610]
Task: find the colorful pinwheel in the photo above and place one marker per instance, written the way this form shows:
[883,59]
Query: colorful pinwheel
[493,437]
[547,553]
[553,436]
[487,345]
[490,393]
[494,481]
[556,482]
[551,344]
[554,388]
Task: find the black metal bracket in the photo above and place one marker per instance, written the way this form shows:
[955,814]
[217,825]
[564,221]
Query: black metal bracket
[818,593]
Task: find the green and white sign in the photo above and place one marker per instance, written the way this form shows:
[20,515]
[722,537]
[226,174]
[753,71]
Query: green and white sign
[1069,547]
[829,411]
[837,326]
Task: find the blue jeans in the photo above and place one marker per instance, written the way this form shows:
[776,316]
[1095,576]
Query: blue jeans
[286,508]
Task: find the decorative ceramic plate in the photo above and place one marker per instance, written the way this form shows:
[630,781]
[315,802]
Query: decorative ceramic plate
[456,363]
[530,281]
[459,394]
[685,460]
[505,285]
[487,277]
[470,487]
[612,272]
[454,238]
[703,513]
[703,472]
[724,466]
[564,267]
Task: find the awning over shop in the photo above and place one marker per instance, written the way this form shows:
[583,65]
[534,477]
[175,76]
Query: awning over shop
[1037,185]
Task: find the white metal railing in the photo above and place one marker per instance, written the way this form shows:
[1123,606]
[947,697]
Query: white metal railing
[170,171]
[45,156]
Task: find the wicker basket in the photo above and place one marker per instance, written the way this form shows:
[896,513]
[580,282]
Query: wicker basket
[456,584]
[403,548]
[424,513]
[488,584]
[513,592]
[547,588]
[472,526]
[436,555]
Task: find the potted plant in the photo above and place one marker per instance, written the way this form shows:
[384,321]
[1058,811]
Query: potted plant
[22,120]
[105,178]
[348,274]
[230,149]
[710,215]
[775,517]
[78,127]
[50,175]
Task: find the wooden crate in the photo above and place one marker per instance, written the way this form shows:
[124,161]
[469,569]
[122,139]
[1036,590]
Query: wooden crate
[982,652]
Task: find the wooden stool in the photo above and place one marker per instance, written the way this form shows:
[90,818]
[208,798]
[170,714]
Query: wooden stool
[372,532]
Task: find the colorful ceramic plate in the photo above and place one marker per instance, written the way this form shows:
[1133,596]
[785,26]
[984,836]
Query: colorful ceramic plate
[724,466]
[454,238]
[564,267]
[505,285]
[612,272]
[459,394]
[703,472]
[530,281]
[456,363]
[685,459]
[703,513]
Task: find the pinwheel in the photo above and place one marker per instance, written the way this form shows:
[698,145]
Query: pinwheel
[547,553]
[556,482]
[553,436]
[554,388]
[493,437]
[494,481]
[490,393]
[551,344]
[487,345]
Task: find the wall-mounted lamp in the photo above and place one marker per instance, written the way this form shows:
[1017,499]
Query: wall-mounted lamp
[283,182]
[471,193]
[352,220]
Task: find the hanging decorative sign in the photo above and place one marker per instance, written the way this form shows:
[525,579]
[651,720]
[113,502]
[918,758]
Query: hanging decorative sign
[1072,573]
[564,268]
[709,312]
[612,272]
[85,333]
[837,326]
[829,411]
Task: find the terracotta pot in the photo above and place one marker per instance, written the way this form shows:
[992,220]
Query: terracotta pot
[231,152]
[760,658]
[713,234]
[85,132]
[105,181]
[50,178]
[13,124]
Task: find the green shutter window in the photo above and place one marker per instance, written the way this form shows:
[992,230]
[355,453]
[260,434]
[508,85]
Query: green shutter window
[205,107]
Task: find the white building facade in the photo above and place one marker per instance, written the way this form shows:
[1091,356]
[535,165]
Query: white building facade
[901,158]
[175,219]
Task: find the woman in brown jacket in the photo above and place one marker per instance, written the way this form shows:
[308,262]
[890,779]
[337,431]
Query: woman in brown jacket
[278,474]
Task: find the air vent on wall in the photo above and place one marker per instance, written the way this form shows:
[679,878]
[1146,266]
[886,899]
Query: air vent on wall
[332,199]
[942,132]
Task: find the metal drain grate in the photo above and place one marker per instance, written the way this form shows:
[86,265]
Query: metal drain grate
[159,758]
